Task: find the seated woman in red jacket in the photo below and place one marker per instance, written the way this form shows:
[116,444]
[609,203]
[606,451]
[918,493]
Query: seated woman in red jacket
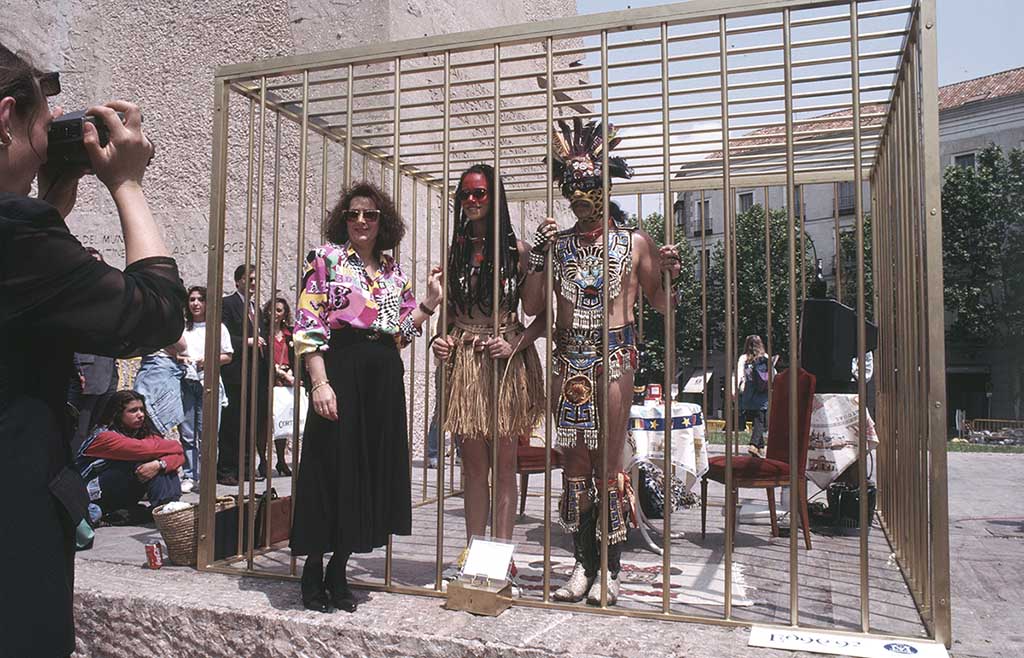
[125,458]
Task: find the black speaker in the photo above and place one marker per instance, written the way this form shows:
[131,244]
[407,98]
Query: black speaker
[828,344]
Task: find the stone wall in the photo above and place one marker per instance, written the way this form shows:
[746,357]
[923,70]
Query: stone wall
[163,55]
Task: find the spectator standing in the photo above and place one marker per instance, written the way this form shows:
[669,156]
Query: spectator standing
[752,375]
[194,356]
[55,300]
[277,316]
[239,311]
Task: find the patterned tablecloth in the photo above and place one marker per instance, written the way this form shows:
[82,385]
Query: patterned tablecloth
[834,440]
[646,440]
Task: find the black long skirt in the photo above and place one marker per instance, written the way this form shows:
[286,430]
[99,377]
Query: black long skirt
[353,486]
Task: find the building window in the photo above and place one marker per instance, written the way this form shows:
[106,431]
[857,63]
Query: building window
[703,264]
[965,160]
[746,201]
[706,217]
[796,201]
[847,198]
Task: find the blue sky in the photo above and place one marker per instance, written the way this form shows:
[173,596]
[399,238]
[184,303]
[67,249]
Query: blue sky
[976,37]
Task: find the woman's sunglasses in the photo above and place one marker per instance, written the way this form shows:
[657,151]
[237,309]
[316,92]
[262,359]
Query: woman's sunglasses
[477,194]
[369,216]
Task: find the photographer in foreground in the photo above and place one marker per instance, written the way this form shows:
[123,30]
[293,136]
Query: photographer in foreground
[55,299]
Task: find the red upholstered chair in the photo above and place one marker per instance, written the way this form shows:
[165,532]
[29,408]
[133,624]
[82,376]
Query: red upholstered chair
[530,459]
[773,471]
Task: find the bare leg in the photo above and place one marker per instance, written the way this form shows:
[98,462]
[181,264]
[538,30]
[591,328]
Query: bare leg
[476,495]
[505,489]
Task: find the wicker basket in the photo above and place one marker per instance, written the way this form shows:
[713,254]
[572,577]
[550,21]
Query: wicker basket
[180,530]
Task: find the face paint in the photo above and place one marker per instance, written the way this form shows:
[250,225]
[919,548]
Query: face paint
[587,204]
[474,196]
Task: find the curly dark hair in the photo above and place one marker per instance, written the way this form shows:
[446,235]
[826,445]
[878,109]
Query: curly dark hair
[463,292]
[115,405]
[390,229]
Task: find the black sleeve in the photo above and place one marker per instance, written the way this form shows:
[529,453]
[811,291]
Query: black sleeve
[232,320]
[51,286]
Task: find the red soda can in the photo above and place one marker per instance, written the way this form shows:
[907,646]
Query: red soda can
[155,555]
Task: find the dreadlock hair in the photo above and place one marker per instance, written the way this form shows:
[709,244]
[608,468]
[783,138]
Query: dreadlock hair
[462,292]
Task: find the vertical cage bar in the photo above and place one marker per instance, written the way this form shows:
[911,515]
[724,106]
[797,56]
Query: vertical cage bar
[300,242]
[730,428]
[704,262]
[862,448]
[837,237]
[938,503]
[323,191]
[496,286]
[413,268]
[794,363]
[254,388]
[549,282]
[803,245]
[605,269]
[443,330]
[768,287]
[921,317]
[246,352]
[640,293]
[670,316]
[349,108]
[273,324]
[214,310]
[426,358]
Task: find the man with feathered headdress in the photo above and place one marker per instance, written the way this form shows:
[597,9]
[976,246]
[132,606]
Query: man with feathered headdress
[635,262]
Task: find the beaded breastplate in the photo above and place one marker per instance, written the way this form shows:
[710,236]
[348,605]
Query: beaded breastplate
[579,273]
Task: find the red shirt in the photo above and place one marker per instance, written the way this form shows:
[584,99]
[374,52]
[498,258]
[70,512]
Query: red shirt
[118,447]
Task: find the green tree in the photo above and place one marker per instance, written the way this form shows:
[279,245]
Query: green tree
[983,240]
[687,312]
[752,285]
[848,265]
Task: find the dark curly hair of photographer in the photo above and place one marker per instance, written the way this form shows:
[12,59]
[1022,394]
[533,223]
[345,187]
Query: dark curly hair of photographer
[391,228]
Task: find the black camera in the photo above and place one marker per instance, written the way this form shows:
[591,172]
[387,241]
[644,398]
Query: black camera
[66,147]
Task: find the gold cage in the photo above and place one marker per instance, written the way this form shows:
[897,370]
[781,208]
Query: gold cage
[710,96]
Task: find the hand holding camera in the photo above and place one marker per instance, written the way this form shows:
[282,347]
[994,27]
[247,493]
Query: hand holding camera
[126,154]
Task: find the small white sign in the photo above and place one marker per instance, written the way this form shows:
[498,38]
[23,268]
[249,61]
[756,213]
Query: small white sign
[863,646]
[488,559]
[697,382]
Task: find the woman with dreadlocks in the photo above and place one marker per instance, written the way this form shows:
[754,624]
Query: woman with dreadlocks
[472,352]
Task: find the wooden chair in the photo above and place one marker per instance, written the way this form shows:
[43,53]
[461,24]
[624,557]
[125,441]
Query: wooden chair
[529,460]
[773,471]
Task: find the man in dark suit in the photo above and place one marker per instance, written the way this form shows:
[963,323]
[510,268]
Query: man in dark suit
[239,310]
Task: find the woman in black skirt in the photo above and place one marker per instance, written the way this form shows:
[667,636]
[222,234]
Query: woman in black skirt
[355,311]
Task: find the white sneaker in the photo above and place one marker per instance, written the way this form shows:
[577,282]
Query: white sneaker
[187,485]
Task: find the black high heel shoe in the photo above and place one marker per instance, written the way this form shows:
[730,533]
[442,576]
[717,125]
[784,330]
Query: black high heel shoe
[314,595]
[283,469]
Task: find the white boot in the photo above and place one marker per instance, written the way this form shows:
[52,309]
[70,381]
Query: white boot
[594,597]
[576,587]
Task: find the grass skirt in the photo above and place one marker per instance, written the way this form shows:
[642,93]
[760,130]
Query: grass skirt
[521,386]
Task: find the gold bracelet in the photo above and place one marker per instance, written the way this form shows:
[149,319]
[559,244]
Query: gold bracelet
[318,385]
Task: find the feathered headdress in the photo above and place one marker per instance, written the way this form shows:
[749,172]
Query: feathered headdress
[577,155]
